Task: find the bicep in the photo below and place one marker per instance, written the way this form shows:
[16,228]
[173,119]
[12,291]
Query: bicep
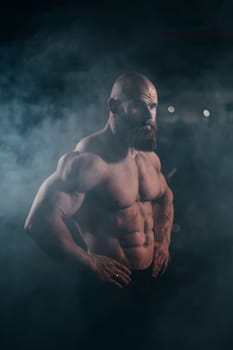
[54,197]
[64,191]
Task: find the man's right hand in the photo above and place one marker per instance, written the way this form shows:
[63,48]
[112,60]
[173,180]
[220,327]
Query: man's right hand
[110,271]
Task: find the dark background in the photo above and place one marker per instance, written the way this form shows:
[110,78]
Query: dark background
[58,61]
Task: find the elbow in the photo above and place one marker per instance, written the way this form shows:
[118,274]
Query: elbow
[32,226]
[28,228]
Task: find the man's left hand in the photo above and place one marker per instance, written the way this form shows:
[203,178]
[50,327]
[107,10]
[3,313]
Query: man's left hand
[161,259]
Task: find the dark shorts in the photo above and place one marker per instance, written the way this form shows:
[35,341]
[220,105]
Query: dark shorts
[113,316]
[95,315]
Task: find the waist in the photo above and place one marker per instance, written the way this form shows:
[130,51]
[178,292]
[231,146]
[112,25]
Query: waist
[137,274]
[136,258]
[134,250]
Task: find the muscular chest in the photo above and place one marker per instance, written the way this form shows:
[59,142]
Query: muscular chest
[134,179]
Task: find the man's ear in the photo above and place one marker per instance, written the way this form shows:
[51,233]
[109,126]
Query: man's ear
[113,105]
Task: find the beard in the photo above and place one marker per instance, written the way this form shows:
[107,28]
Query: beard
[142,139]
[136,135]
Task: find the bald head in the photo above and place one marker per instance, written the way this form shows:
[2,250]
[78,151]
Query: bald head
[133,85]
[133,107]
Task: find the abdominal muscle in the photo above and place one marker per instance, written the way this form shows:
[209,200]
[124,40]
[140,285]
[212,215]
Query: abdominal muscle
[125,235]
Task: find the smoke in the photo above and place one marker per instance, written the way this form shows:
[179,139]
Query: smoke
[54,88]
[50,99]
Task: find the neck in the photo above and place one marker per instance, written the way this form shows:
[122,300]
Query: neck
[118,142]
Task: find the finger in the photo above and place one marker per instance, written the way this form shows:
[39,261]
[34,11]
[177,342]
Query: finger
[160,259]
[161,268]
[164,268]
[115,283]
[122,277]
[118,275]
[156,268]
[156,255]
[154,274]
[155,271]
[123,268]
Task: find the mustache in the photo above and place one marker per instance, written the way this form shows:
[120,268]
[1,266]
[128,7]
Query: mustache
[150,123]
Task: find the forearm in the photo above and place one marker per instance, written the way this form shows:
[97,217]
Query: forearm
[53,236]
[163,219]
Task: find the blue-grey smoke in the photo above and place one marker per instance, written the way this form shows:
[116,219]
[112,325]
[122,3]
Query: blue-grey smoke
[53,91]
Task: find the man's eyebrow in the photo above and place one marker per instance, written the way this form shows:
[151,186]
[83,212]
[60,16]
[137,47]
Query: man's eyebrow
[154,104]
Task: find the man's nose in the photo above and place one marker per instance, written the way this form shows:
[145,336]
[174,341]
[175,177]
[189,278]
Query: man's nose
[149,114]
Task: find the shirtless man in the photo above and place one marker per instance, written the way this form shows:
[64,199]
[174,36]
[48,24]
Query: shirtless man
[112,188]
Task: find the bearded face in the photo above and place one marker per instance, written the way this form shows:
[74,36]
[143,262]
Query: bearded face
[143,138]
[136,126]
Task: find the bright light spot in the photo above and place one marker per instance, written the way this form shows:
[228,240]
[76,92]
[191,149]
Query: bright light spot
[206,113]
[171,109]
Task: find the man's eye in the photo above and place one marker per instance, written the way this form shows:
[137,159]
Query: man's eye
[136,106]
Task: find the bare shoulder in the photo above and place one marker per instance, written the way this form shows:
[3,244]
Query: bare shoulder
[81,170]
[81,161]
[91,143]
